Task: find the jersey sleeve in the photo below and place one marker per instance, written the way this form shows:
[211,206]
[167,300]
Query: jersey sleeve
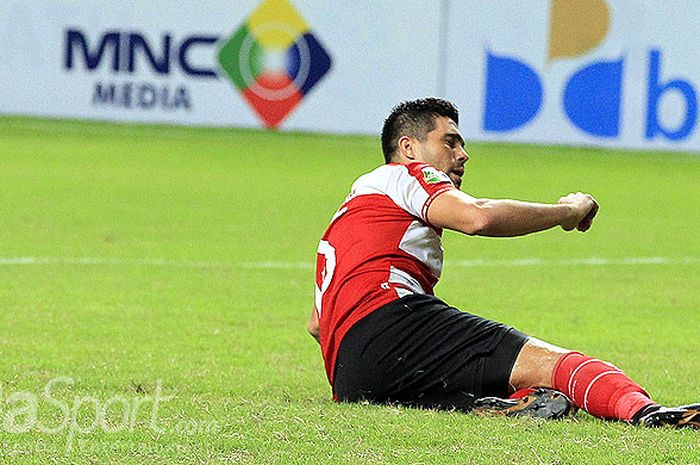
[432,182]
[412,187]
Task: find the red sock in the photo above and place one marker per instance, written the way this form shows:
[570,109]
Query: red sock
[598,387]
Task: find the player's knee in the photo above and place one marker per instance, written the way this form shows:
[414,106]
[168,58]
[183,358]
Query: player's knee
[535,364]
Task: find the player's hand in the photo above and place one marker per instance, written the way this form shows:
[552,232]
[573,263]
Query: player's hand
[583,209]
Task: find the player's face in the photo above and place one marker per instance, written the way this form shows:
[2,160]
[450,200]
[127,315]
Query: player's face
[444,149]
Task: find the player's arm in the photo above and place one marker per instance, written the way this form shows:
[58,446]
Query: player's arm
[503,218]
[314,328]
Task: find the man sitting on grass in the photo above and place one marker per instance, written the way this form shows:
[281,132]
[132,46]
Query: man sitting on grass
[386,338]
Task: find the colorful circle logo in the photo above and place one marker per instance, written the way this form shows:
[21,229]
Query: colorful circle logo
[274,60]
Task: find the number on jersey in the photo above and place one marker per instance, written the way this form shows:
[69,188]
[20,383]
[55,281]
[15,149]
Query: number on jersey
[325,266]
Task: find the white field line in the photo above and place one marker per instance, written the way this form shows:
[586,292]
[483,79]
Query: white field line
[282,265]
[110,261]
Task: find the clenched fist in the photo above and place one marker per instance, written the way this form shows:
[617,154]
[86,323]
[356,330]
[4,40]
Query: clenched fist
[583,210]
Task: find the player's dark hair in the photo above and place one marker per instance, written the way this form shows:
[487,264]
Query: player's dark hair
[414,118]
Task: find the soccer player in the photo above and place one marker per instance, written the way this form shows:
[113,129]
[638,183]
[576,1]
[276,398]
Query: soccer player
[385,337]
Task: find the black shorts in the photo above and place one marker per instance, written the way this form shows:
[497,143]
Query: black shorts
[419,351]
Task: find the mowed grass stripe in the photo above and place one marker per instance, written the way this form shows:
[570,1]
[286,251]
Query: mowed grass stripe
[475,263]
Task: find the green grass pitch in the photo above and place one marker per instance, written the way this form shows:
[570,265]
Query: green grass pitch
[145,267]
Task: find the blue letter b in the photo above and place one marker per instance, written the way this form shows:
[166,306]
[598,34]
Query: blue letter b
[655,92]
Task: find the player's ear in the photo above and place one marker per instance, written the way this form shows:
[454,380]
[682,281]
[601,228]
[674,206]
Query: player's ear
[406,147]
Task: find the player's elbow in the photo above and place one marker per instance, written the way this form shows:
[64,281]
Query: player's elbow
[476,227]
[314,329]
[477,220]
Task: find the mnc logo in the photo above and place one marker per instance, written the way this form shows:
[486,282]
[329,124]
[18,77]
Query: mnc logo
[592,94]
[274,60]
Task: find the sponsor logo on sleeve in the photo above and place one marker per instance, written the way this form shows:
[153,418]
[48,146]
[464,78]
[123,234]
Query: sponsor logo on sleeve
[434,176]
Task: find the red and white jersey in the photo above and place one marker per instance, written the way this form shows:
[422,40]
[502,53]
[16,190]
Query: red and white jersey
[379,247]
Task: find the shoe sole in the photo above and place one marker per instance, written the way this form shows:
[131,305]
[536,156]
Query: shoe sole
[542,403]
[690,420]
[678,419]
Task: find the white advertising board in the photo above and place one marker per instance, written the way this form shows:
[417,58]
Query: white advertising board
[609,73]
[299,64]
[617,73]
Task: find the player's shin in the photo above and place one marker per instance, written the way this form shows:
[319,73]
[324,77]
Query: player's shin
[599,387]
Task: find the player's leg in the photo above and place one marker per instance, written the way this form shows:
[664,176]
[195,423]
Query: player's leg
[526,374]
[535,364]
[593,385]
